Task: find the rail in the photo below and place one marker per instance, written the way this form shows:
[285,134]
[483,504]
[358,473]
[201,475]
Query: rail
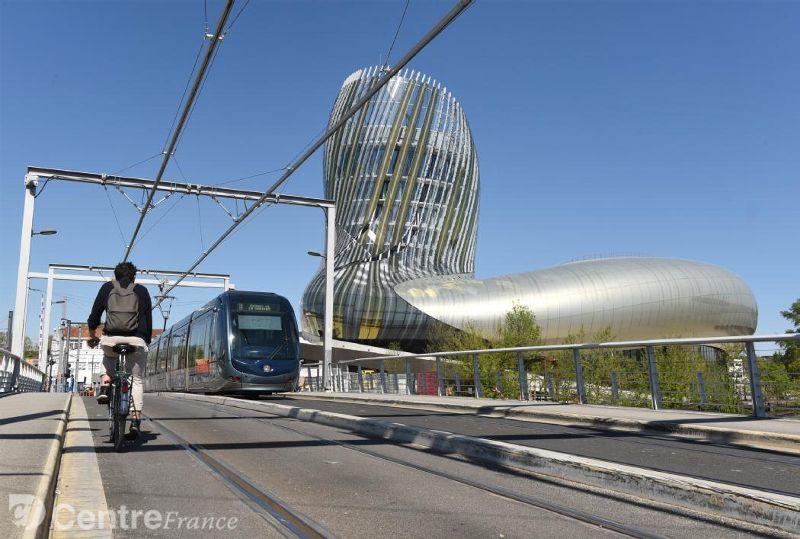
[700,373]
[18,376]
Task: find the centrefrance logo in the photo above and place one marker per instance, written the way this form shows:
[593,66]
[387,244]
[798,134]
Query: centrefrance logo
[28,512]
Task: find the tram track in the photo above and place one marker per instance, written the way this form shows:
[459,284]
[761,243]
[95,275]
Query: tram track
[285,519]
[562,510]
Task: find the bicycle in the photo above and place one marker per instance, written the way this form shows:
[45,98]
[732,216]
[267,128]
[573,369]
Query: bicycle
[120,401]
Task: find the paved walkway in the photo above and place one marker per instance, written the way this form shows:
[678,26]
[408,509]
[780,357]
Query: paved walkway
[31,432]
[779,434]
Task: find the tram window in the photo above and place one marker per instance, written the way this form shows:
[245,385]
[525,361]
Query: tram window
[163,352]
[262,334]
[199,341]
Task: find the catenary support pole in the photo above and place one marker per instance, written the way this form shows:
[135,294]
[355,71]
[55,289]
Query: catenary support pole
[330,255]
[21,302]
[48,306]
[755,382]
[579,382]
[652,373]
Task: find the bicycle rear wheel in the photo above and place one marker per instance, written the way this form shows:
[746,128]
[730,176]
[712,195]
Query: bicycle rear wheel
[119,430]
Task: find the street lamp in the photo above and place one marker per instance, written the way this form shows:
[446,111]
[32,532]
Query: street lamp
[314,253]
[44,232]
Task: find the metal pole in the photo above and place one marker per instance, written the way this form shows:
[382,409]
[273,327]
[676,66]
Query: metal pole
[8,329]
[409,388]
[523,378]
[308,376]
[439,381]
[476,376]
[330,255]
[652,372]
[614,386]
[187,107]
[551,388]
[458,382]
[383,378]
[43,346]
[701,387]
[755,382]
[360,379]
[579,382]
[77,361]
[17,344]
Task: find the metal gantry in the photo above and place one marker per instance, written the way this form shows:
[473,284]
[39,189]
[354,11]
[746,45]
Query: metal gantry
[37,174]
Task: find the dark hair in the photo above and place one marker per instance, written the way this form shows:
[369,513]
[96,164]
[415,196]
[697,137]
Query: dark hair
[125,271]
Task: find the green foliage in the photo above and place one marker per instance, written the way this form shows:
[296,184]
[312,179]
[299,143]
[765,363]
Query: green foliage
[790,356]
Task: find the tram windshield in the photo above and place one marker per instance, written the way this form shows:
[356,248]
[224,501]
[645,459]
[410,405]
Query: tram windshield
[262,330]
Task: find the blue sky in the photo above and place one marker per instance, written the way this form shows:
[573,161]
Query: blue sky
[656,128]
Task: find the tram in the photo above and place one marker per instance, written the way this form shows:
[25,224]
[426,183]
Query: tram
[239,342]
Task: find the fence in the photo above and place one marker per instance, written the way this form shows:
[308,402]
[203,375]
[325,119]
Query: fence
[18,376]
[717,374]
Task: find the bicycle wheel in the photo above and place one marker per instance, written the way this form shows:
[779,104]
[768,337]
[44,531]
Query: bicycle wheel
[111,407]
[119,431]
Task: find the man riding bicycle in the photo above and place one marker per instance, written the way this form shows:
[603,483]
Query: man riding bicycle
[128,320]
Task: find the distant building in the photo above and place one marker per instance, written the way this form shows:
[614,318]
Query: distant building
[404,174]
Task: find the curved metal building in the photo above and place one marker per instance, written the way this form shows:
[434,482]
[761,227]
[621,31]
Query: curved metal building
[404,174]
[633,297]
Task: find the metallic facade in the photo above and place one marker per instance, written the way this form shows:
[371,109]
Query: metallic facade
[404,174]
[633,297]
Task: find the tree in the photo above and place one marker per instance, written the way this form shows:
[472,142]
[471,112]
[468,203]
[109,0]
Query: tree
[791,349]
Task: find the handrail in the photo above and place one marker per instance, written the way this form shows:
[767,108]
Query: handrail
[595,345]
[17,375]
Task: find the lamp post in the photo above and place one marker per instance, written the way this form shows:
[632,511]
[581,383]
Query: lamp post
[327,342]
[21,301]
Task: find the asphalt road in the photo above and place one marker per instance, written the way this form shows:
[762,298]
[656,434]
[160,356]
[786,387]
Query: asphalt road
[322,472]
[764,470]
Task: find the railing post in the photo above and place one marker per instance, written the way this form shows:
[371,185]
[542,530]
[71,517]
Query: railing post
[308,376]
[652,372]
[458,381]
[701,387]
[12,382]
[755,381]
[614,386]
[523,378]
[579,383]
[360,379]
[383,378]
[409,381]
[476,376]
[439,381]
[551,389]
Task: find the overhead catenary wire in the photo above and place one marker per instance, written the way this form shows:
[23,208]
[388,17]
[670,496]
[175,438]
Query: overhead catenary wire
[443,23]
[396,33]
[187,107]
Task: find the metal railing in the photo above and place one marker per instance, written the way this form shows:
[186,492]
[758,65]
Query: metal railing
[17,376]
[715,373]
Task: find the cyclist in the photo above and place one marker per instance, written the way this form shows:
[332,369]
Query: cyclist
[128,320]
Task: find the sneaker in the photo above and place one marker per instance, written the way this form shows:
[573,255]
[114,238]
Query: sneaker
[102,395]
[135,428]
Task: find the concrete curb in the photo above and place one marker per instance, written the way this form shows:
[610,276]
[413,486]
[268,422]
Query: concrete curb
[46,490]
[751,506]
[749,439]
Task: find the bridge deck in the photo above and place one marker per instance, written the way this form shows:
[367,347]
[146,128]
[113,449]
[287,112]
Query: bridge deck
[31,429]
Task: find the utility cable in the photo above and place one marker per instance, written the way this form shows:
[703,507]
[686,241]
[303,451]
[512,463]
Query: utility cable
[114,211]
[243,178]
[459,8]
[136,164]
[396,33]
[236,17]
[212,47]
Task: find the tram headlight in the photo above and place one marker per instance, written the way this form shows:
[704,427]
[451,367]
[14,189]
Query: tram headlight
[266,368]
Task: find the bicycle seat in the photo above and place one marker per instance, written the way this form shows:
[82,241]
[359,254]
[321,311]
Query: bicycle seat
[123,348]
